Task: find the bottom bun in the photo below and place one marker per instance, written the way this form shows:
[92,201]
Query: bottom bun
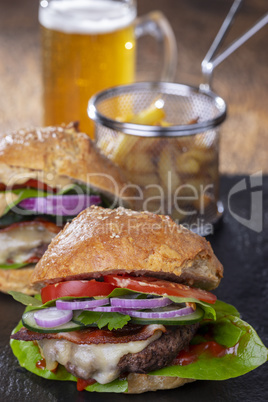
[17,280]
[138,383]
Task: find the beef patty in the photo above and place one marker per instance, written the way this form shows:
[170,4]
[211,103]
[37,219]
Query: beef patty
[159,353]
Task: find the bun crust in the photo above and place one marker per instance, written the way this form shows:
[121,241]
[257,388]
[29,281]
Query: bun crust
[109,241]
[62,151]
[17,280]
[139,383]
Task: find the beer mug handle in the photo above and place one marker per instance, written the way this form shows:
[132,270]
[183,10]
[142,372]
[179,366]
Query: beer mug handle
[156,25]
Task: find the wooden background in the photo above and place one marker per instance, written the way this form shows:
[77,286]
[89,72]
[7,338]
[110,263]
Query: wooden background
[242,79]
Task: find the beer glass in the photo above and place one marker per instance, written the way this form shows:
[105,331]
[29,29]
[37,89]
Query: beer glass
[90,45]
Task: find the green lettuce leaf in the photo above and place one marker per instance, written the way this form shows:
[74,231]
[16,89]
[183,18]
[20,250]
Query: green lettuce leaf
[75,188]
[28,355]
[112,320]
[14,266]
[223,309]
[26,299]
[221,329]
[22,194]
[10,217]
[229,331]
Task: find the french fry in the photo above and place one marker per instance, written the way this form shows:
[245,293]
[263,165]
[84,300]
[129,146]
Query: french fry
[123,146]
[150,116]
[139,163]
[187,164]
[143,179]
[164,123]
[203,155]
[153,191]
[155,206]
[126,118]
[170,180]
[107,145]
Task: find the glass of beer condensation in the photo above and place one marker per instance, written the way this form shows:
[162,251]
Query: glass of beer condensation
[90,45]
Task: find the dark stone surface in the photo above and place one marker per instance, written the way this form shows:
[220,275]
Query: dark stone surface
[244,254]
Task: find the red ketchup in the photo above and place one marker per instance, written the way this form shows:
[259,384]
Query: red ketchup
[82,384]
[41,364]
[211,348]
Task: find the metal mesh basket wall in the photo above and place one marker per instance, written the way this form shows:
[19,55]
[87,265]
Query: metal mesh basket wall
[175,174]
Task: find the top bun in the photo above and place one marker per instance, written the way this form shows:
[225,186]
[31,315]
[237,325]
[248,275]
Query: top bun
[104,241]
[59,152]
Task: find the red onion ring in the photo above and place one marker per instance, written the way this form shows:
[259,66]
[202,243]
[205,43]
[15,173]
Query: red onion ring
[52,317]
[108,309]
[63,205]
[80,305]
[163,314]
[176,312]
[140,303]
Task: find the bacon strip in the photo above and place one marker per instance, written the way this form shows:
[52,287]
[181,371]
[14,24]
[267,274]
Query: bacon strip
[130,333]
[50,226]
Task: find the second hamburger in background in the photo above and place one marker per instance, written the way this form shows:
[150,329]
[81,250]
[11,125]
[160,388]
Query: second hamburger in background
[47,176]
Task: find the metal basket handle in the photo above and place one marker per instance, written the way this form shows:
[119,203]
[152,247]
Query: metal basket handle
[209,62]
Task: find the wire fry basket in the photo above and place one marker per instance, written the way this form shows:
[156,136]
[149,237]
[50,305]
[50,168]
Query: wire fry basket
[174,167]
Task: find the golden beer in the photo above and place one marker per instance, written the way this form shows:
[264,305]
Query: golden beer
[87,46]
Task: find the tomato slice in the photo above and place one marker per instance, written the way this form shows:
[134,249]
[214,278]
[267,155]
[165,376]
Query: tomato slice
[39,185]
[33,260]
[82,384]
[76,289]
[146,284]
[33,183]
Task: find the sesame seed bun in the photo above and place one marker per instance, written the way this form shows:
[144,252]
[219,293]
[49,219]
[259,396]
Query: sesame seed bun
[61,151]
[17,280]
[139,383]
[104,241]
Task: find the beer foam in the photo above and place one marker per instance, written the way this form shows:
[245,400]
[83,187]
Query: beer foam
[86,16]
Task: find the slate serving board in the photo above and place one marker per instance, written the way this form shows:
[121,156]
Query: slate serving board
[244,254]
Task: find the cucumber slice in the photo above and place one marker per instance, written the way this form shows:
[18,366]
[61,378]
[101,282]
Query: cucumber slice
[192,318]
[29,322]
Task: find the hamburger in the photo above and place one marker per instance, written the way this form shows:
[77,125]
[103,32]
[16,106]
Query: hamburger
[125,306]
[47,176]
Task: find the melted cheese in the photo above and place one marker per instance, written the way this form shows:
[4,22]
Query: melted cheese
[11,176]
[17,244]
[99,362]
